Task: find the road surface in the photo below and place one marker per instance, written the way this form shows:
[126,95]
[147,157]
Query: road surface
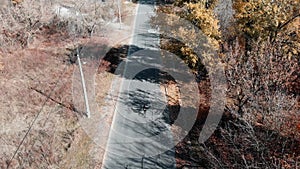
[140,137]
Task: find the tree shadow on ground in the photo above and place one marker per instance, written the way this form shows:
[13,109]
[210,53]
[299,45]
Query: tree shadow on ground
[140,100]
[115,56]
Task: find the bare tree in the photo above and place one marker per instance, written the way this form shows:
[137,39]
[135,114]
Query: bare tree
[258,88]
[24,20]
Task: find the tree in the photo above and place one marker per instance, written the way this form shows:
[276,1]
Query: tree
[20,23]
[264,19]
[201,15]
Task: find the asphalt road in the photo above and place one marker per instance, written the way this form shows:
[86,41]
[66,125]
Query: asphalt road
[139,136]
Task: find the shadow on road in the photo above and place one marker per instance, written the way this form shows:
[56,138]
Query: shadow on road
[141,100]
[115,56]
[138,99]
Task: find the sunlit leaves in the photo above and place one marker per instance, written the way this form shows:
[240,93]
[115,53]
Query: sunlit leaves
[264,18]
[203,18]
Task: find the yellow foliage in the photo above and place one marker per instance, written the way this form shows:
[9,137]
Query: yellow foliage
[190,57]
[264,18]
[204,19]
[204,37]
[208,4]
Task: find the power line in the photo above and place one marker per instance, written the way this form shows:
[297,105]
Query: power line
[36,117]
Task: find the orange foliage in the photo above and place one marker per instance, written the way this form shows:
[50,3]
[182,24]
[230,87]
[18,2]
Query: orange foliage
[16,1]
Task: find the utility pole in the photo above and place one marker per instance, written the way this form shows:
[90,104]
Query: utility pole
[120,17]
[143,161]
[87,106]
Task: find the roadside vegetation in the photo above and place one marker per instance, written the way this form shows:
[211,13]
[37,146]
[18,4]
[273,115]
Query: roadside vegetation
[24,20]
[258,45]
[39,122]
[257,42]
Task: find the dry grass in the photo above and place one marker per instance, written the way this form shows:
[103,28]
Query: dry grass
[20,105]
[42,68]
